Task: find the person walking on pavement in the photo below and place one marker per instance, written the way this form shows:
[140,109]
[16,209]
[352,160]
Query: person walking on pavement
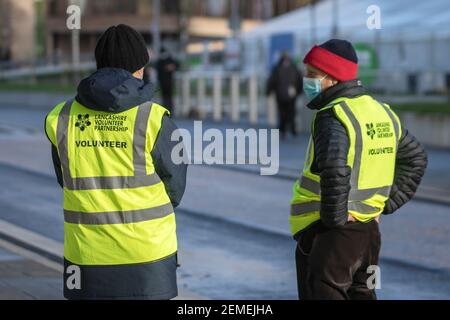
[361,163]
[286,81]
[111,149]
[166,66]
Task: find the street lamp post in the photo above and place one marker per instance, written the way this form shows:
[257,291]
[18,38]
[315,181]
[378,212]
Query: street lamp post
[156,32]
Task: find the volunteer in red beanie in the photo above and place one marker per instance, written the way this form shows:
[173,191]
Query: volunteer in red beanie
[336,203]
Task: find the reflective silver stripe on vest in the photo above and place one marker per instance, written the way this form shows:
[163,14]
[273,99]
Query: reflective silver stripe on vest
[310,184]
[361,207]
[358,145]
[394,121]
[118,182]
[117,217]
[140,179]
[356,193]
[139,139]
[309,155]
[331,104]
[308,207]
[364,194]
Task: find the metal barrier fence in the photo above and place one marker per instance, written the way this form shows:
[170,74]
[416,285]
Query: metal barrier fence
[240,97]
[222,95]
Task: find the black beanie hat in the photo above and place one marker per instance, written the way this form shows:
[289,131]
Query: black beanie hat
[121,47]
[342,48]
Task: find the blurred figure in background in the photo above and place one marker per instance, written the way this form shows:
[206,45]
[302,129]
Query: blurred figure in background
[166,66]
[286,81]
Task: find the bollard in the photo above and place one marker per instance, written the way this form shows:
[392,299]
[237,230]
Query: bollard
[186,94]
[271,111]
[235,107]
[217,97]
[253,99]
[201,96]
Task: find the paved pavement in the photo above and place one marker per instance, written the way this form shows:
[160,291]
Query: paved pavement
[22,278]
[31,265]
[225,207]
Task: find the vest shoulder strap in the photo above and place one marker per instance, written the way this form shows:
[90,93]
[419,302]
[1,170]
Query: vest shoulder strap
[51,122]
[334,103]
[155,122]
[160,107]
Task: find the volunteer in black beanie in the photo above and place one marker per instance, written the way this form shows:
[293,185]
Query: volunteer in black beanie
[115,130]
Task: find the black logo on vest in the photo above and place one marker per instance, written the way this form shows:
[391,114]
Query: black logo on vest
[82,121]
[370,130]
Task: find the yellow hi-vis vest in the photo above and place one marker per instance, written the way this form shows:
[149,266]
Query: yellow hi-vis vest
[116,209]
[373,130]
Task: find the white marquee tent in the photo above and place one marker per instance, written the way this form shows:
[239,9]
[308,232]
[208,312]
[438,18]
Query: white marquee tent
[414,37]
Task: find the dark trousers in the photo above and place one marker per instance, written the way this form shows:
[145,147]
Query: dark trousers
[286,116]
[332,262]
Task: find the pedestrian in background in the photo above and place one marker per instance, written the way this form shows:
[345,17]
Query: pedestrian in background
[286,81]
[166,66]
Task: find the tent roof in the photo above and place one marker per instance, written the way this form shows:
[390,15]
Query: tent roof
[399,19]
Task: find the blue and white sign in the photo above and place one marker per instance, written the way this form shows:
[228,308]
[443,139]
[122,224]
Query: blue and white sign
[278,43]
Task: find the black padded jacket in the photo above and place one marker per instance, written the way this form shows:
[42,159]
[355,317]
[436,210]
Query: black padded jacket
[331,145]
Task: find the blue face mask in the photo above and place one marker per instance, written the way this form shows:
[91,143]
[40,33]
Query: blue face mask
[312,87]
